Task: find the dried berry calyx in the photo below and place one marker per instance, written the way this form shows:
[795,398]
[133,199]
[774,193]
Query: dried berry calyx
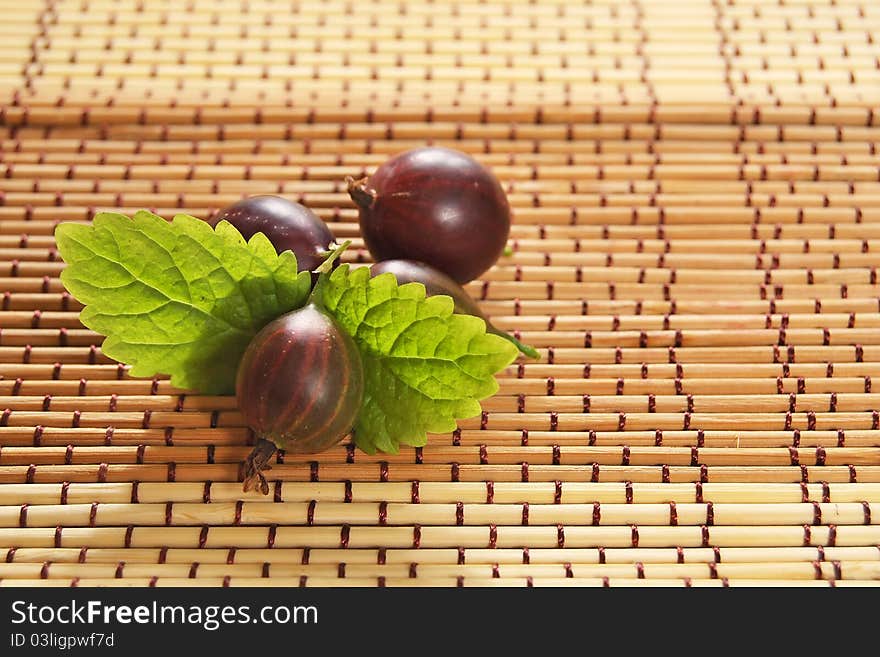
[256,463]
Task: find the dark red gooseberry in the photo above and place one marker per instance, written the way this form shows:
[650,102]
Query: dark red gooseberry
[435,205]
[436,282]
[288,225]
[300,386]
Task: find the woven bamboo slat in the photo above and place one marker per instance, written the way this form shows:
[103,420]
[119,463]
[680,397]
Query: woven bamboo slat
[375,561]
[325,513]
[438,492]
[839,571]
[459,581]
[695,191]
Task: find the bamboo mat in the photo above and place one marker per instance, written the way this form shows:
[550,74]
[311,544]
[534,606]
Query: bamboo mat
[696,189]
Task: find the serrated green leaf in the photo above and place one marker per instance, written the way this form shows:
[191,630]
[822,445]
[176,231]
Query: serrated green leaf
[180,297]
[424,366]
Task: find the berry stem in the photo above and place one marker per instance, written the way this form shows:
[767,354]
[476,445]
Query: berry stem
[525,349]
[326,266]
[323,271]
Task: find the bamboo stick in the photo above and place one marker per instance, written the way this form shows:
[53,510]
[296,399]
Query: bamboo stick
[37,124]
[583,307]
[686,370]
[579,266]
[621,323]
[821,90]
[533,290]
[559,208]
[566,492]
[80,109]
[428,556]
[544,165]
[562,356]
[497,420]
[111,387]
[690,386]
[432,582]
[242,56]
[503,148]
[518,402]
[554,193]
[366,514]
[313,54]
[30,125]
[62,436]
[664,180]
[485,454]
[441,537]
[791,572]
[44,473]
[693,338]
[344,222]
[85,151]
[771,246]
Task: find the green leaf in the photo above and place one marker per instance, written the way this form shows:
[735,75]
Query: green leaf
[178,298]
[424,366]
